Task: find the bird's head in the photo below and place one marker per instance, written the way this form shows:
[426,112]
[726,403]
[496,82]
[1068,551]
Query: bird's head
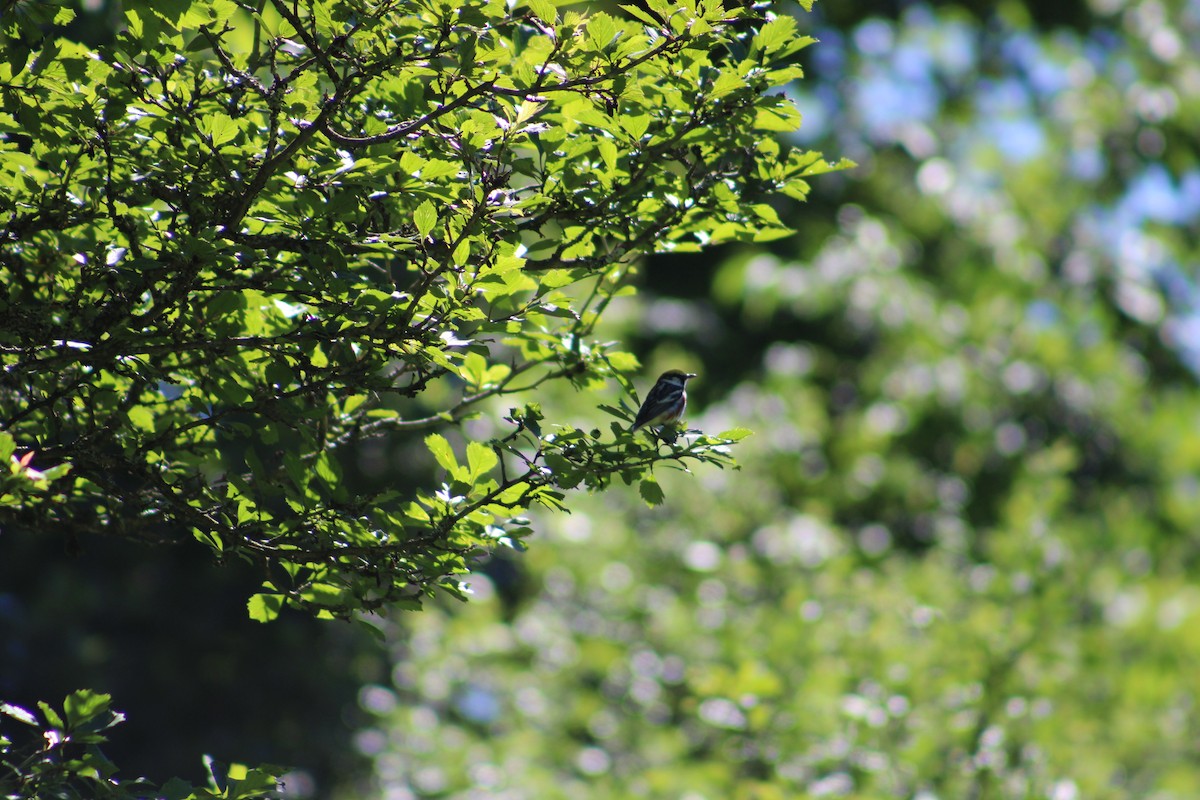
[676,376]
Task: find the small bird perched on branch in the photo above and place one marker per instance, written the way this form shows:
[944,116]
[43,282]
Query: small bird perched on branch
[666,402]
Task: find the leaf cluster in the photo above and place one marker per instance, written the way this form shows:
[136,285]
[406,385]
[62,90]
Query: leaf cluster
[56,754]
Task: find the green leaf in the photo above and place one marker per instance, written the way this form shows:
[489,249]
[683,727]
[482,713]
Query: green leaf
[651,492]
[621,361]
[51,715]
[209,538]
[635,125]
[440,447]
[608,152]
[481,460]
[324,594]
[327,469]
[602,30]
[616,412]
[18,713]
[264,607]
[639,14]
[425,217]
[83,705]
[821,166]
[735,434]
[142,417]
[566,475]
[775,34]
[545,10]
[542,249]
[473,369]
[781,117]
[462,253]
[219,127]
[496,373]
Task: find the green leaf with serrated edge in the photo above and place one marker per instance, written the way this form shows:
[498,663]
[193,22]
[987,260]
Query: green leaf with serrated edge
[545,10]
[442,452]
[425,217]
[481,459]
[83,705]
[735,434]
[651,492]
[622,361]
[783,117]
[775,34]
[473,368]
[264,607]
[602,29]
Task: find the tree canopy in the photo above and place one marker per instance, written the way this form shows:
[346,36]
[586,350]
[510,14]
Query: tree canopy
[244,242]
[246,239]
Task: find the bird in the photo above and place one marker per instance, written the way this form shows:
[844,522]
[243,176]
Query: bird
[666,402]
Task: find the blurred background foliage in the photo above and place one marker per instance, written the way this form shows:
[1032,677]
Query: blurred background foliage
[960,559]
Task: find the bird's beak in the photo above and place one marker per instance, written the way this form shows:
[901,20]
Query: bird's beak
[690,374]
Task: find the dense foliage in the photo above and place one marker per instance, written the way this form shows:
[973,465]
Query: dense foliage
[244,242]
